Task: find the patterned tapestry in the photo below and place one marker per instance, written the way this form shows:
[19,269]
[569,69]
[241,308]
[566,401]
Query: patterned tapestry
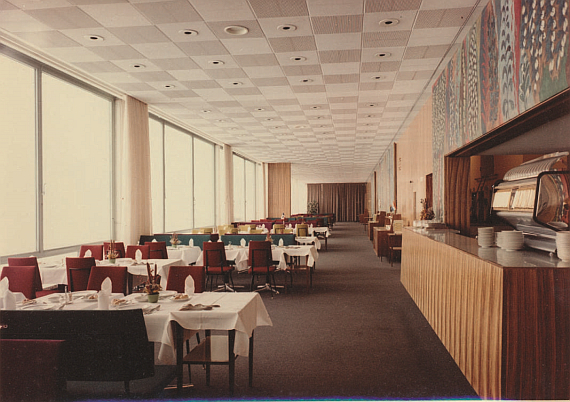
[513,58]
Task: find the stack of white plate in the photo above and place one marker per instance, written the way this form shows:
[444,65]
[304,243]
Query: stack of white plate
[486,237]
[563,245]
[512,240]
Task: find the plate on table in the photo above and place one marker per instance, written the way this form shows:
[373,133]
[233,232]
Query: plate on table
[163,294]
[179,297]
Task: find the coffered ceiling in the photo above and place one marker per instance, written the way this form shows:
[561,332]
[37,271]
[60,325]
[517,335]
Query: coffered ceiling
[327,85]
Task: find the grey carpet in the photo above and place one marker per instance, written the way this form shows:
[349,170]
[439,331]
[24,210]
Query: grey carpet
[356,335]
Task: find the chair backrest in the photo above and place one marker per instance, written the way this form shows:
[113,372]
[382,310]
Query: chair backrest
[394,240]
[31,370]
[207,230]
[177,275]
[131,251]
[119,248]
[78,270]
[278,228]
[259,254]
[302,229]
[118,276]
[214,255]
[157,249]
[96,251]
[21,279]
[27,262]
[99,345]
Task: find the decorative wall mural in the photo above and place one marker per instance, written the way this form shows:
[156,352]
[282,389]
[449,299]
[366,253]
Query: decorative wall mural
[514,57]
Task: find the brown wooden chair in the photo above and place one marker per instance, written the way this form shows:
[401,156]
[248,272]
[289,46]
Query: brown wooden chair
[119,248]
[216,265]
[157,249]
[260,263]
[21,279]
[27,262]
[177,275]
[78,271]
[131,251]
[394,246]
[118,276]
[96,251]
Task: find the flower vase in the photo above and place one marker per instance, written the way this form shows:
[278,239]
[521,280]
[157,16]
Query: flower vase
[153,298]
[112,260]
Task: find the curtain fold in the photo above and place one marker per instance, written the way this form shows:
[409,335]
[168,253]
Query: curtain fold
[135,187]
[345,200]
[229,184]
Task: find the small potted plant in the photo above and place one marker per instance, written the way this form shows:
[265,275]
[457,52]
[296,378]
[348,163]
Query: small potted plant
[174,240]
[112,254]
[152,286]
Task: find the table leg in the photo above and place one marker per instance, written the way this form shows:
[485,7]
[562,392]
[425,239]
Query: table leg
[251,360]
[179,333]
[232,359]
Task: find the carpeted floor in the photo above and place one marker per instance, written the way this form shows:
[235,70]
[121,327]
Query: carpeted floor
[356,335]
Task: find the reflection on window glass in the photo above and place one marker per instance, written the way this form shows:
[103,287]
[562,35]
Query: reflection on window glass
[178,180]
[239,189]
[204,183]
[157,175]
[76,142]
[17,158]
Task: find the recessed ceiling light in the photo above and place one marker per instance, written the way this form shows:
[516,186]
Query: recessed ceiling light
[287,27]
[383,54]
[269,119]
[372,104]
[137,65]
[189,32]
[221,121]
[307,80]
[236,30]
[259,109]
[237,83]
[315,107]
[369,115]
[378,77]
[388,22]
[168,86]
[94,38]
[298,58]
[206,111]
[216,62]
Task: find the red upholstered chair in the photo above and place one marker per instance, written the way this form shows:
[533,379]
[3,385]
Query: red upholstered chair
[118,276]
[177,275]
[119,247]
[27,262]
[216,265]
[96,251]
[260,264]
[78,270]
[21,280]
[131,250]
[31,370]
[157,249]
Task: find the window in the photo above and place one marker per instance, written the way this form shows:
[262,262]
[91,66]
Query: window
[239,189]
[157,174]
[57,170]
[204,183]
[250,197]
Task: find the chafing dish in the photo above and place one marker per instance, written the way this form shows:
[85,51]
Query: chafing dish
[533,198]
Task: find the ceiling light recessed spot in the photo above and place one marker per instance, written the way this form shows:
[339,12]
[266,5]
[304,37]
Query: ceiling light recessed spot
[269,119]
[259,109]
[188,32]
[315,107]
[168,86]
[298,58]
[383,54]
[287,27]
[378,77]
[369,115]
[221,121]
[388,22]
[94,38]
[306,80]
[137,65]
[236,30]
[237,83]
[372,104]
[206,111]
[216,62]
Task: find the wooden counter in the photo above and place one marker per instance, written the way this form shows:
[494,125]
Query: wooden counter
[380,241]
[371,226]
[503,316]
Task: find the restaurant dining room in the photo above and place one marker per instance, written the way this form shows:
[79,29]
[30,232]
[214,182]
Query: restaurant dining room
[284,200]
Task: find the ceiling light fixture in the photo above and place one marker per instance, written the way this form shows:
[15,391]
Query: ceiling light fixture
[206,111]
[372,104]
[169,86]
[188,32]
[94,38]
[378,77]
[383,54]
[237,83]
[259,109]
[388,22]
[298,58]
[306,80]
[216,62]
[269,119]
[236,30]
[138,66]
[315,107]
[287,27]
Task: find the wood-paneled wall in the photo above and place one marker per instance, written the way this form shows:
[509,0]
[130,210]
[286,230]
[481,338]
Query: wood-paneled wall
[278,189]
[461,297]
[414,160]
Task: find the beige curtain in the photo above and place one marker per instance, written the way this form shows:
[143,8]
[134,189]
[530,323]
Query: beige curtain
[229,184]
[134,164]
[345,200]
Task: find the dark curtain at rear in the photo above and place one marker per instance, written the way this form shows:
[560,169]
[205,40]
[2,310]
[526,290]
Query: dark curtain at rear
[345,200]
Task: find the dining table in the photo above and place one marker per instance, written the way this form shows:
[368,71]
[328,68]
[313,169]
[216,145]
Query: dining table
[309,240]
[171,321]
[188,254]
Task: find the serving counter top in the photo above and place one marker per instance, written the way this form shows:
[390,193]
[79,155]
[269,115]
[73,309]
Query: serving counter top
[526,258]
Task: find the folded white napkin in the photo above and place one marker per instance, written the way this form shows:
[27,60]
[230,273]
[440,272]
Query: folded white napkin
[154,241]
[263,226]
[138,256]
[281,242]
[289,226]
[107,286]
[87,253]
[104,294]
[189,285]
[9,301]
[242,242]
[4,285]
[311,225]
[191,243]
[248,229]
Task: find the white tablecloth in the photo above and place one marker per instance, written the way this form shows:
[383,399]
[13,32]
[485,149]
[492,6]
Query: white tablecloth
[187,254]
[309,240]
[320,229]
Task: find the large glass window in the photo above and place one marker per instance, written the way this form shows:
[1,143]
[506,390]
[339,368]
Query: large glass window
[250,195]
[204,183]
[76,144]
[17,158]
[157,174]
[178,204]
[239,189]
